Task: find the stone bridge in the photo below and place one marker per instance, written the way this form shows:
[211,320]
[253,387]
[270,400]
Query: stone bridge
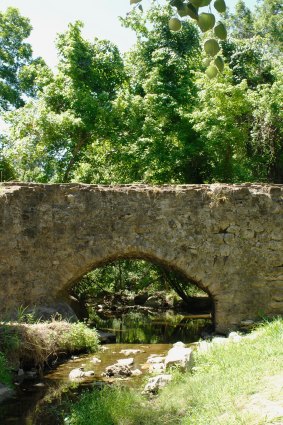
[227,239]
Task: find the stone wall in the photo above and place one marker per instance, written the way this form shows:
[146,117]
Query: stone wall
[228,239]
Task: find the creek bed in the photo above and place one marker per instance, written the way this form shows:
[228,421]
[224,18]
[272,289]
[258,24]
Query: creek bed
[38,402]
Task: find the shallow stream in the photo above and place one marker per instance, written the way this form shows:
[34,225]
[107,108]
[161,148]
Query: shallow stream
[38,402]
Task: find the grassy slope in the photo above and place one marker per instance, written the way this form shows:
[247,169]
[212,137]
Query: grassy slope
[231,384]
[36,343]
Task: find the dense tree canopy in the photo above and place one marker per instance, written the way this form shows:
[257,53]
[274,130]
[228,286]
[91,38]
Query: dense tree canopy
[152,115]
[49,134]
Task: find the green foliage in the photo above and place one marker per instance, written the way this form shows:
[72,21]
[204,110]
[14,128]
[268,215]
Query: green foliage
[241,23]
[79,338]
[221,121]
[206,21]
[150,116]
[267,131]
[5,372]
[154,141]
[48,136]
[15,54]
[122,275]
[269,23]
[7,172]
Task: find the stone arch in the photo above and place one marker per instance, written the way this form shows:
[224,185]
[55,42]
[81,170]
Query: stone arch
[167,265]
[152,259]
[226,238]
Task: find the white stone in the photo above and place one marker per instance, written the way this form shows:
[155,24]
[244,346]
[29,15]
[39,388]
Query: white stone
[182,357]
[157,382]
[131,352]
[156,368]
[95,360]
[103,348]
[76,373]
[136,372]
[218,340]
[203,346]
[88,374]
[179,344]
[234,337]
[157,359]
[126,362]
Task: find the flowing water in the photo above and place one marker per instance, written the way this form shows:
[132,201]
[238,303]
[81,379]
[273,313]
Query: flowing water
[38,402]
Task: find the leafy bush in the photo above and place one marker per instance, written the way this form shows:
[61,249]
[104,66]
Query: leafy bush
[79,338]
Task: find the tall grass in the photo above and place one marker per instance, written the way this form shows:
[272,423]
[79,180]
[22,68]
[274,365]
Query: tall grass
[36,343]
[221,385]
[5,373]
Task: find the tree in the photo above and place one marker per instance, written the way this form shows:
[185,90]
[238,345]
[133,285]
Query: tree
[15,54]
[267,131]
[51,133]
[241,23]
[269,23]
[222,122]
[153,140]
[206,21]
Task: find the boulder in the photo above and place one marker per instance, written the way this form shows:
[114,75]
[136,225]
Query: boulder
[117,370]
[179,344]
[154,384]
[78,307]
[61,310]
[131,352]
[156,368]
[77,373]
[155,359]
[127,362]
[179,356]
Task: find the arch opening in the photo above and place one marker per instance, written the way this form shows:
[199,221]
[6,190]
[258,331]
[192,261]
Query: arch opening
[135,287]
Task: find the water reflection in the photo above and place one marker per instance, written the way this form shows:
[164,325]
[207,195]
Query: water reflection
[137,327]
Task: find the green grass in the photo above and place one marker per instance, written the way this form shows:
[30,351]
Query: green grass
[5,373]
[36,343]
[216,392]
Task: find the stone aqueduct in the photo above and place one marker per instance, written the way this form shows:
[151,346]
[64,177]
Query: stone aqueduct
[228,239]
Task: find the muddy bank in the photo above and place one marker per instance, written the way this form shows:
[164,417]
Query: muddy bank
[36,345]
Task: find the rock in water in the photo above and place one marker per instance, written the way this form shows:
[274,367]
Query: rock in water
[157,382]
[76,373]
[118,370]
[126,362]
[131,352]
[179,356]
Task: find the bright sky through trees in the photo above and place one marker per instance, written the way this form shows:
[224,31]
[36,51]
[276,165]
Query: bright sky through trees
[100,18]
